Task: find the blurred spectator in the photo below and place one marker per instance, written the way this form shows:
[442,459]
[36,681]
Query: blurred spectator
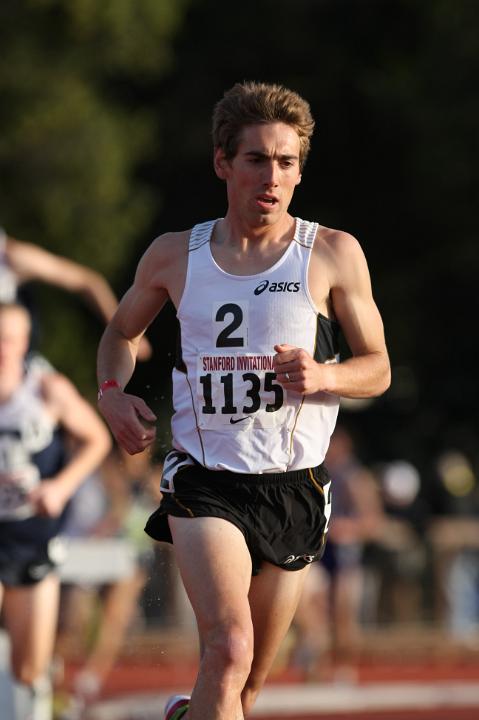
[399,559]
[22,262]
[50,440]
[100,599]
[455,536]
[328,614]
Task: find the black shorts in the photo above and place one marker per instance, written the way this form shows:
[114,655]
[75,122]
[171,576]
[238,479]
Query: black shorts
[29,549]
[28,568]
[283,516]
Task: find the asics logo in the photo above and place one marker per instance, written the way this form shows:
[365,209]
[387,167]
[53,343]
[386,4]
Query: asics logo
[292,558]
[283,286]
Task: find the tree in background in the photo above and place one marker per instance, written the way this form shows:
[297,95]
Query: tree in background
[75,129]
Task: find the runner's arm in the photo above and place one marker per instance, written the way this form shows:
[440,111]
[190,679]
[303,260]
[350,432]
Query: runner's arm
[127,415]
[90,441]
[31,262]
[367,372]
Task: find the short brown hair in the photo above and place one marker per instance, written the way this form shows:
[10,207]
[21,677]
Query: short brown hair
[252,103]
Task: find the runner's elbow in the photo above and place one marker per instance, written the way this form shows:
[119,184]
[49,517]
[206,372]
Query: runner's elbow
[383,381]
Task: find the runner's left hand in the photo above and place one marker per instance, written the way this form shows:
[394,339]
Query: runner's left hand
[297,371]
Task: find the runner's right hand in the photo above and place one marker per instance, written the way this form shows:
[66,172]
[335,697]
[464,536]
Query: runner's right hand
[129,418]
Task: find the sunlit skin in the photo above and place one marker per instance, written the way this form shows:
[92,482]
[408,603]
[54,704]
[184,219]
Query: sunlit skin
[260,181]
[31,262]
[14,334]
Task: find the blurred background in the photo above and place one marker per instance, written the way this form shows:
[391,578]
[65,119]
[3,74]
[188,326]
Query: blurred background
[105,143]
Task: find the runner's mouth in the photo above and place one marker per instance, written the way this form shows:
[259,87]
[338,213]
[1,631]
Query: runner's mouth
[267,199]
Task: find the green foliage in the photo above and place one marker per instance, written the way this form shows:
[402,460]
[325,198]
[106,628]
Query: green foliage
[69,149]
[75,130]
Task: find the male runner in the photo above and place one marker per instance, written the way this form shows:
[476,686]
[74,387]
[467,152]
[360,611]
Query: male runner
[51,439]
[260,296]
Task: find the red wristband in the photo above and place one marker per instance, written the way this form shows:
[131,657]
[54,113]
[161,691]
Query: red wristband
[106,384]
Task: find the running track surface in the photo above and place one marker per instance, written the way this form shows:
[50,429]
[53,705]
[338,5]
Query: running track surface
[453,700]
[386,691]
[412,714]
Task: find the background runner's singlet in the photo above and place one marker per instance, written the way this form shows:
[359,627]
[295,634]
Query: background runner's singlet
[32,448]
[230,412]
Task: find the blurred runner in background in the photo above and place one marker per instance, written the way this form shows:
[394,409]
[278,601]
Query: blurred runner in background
[50,440]
[98,604]
[327,621]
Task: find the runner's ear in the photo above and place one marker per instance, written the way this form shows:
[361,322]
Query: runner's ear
[220,163]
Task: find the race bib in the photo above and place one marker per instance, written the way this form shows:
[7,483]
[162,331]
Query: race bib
[14,489]
[237,389]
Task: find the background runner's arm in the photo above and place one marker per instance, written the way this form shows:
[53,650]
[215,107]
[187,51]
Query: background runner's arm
[31,262]
[89,438]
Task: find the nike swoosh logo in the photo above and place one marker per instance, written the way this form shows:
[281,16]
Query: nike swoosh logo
[246,417]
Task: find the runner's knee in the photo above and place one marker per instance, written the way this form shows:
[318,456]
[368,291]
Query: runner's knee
[231,647]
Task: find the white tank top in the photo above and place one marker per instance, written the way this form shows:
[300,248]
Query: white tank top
[230,413]
[26,429]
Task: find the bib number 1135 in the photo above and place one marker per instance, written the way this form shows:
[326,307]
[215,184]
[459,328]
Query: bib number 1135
[251,393]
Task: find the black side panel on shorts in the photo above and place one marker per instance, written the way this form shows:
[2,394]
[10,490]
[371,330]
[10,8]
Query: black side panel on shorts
[327,339]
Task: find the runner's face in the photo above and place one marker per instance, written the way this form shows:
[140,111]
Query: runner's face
[14,333]
[263,175]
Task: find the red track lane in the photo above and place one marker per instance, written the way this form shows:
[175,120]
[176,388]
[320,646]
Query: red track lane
[137,677]
[431,714]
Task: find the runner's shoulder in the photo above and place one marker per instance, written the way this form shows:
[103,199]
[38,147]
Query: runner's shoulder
[165,252]
[171,243]
[336,245]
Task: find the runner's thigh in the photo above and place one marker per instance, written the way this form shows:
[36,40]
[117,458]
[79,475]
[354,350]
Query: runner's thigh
[30,614]
[215,566]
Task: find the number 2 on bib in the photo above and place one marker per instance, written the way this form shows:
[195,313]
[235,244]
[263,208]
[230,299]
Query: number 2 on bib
[235,381]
